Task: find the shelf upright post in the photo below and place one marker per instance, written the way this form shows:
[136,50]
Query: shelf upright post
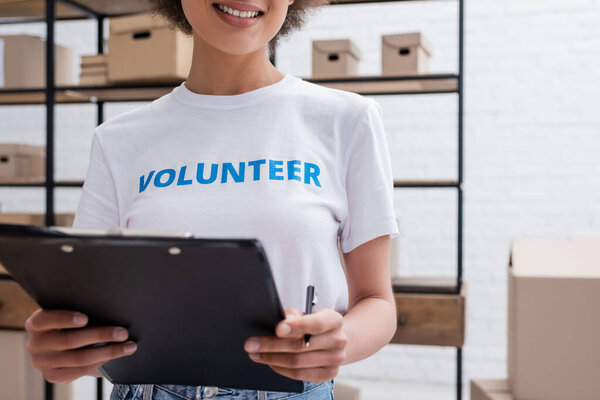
[50,91]
[99,120]
[461,43]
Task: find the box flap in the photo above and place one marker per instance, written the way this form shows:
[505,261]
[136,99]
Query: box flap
[134,23]
[337,46]
[412,39]
[556,257]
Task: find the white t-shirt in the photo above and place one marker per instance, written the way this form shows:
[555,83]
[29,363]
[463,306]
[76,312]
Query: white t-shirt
[293,164]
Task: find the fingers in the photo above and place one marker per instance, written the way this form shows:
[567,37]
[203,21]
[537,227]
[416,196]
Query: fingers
[320,374]
[58,375]
[56,348]
[72,339]
[82,357]
[292,312]
[309,359]
[328,340]
[45,320]
[319,322]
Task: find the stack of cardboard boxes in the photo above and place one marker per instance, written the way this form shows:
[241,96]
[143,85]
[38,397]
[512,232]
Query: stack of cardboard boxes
[94,70]
[141,48]
[553,323]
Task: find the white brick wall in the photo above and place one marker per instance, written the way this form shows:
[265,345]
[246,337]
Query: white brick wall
[532,143]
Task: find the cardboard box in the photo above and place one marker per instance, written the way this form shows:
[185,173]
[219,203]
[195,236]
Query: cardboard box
[22,161]
[94,60]
[405,54]
[23,62]
[344,391]
[553,319]
[18,378]
[143,48]
[93,80]
[334,58]
[490,389]
[94,70]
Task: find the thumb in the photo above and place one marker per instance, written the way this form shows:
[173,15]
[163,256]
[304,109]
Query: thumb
[292,313]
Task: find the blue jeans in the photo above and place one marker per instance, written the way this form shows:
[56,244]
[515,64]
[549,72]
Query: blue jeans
[312,391]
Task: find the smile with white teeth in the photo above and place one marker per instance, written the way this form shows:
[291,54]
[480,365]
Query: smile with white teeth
[237,13]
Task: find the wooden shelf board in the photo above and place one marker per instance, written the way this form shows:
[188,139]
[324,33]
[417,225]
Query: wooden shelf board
[115,7]
[84,95]
[36,9]
[69,183]
[425,284]
[140,92]
[402,85]
[8,182]
[22,181]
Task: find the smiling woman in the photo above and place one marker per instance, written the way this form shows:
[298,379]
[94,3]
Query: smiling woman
[241,149]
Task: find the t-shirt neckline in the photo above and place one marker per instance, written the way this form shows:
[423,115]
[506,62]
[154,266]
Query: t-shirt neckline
[185,95]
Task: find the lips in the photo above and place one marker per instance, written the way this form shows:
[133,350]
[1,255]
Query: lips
[237,21]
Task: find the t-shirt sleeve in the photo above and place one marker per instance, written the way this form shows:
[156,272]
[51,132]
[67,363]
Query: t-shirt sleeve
[98,206]
[369,183]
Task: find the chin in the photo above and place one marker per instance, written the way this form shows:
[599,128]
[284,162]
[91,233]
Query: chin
[238,48]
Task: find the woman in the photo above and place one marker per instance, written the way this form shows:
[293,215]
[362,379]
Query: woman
[242,149]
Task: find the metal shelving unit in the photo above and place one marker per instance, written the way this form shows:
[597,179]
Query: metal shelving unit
[50,11]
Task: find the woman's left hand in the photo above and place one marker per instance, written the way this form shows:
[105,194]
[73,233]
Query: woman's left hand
[287,354]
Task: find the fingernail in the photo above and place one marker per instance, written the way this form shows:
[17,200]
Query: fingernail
[120,333]
[254,356]
[252,345]
[130,347]
[284,329]
[79,319]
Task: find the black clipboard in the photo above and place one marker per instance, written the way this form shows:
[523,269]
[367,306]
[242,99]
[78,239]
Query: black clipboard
[189,303]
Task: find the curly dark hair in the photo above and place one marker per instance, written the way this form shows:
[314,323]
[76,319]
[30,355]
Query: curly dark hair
[298,11]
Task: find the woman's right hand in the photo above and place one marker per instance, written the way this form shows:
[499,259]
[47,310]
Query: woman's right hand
[55,347]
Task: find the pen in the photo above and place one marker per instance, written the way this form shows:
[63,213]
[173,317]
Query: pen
[311,300]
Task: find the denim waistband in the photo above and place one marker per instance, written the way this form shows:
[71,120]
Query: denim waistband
[188,392]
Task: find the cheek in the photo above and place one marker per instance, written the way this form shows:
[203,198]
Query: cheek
[273,19]
[193,12]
